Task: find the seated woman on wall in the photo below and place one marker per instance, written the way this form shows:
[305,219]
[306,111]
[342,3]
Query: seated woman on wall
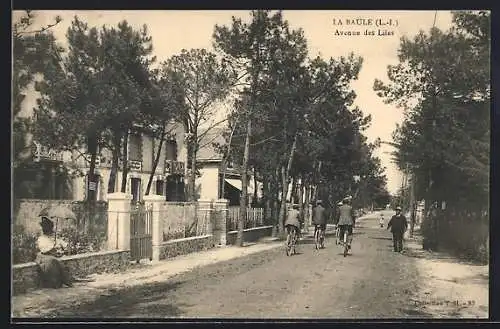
[53,274]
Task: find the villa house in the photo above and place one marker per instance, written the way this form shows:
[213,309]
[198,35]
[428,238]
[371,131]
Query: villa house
[45,171]
[212,178]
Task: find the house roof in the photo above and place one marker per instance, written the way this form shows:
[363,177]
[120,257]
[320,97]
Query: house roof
[207,152]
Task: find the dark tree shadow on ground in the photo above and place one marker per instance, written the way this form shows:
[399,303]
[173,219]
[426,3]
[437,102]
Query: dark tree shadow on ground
[380,238]
[471,279]
[129,302]
[305,242]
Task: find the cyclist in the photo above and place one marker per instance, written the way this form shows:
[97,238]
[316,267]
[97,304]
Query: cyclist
[346,220]
[319,217]
[293,219]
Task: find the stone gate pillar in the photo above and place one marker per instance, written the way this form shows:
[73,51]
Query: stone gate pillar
[119,221]
[221,207]
[155,204]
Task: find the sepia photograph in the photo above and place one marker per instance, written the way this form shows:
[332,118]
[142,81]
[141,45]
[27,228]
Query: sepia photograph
[250,164]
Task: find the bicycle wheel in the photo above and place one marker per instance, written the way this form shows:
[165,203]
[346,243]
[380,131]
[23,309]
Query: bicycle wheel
[316,238]
[322,239]
[287,244]
[295,237]
[346,247]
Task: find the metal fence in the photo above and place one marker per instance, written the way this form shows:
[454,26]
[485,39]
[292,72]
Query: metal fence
[255,218]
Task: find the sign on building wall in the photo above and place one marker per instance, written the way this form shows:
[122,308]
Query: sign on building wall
[174,167]
[41,152]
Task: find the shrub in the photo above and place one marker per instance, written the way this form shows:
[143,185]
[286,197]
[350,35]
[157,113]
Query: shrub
[461,235]
[24,245]
[82,242]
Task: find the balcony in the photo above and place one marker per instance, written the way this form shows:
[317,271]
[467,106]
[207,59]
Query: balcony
[135,165]
[174,167]
[43,153]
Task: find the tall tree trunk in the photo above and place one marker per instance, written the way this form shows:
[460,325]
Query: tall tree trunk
[92,147]
[267,199]
[301,200]
[413,205]
[157,158]
[286,181]
[277,202]
[307,203]
[317,182]
[244,183]
[115,159]
[125,163]
[192,176]
[224,163]
[255,187]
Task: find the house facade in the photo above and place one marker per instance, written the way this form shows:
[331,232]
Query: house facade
[168,177]
[212,177]
[52,175]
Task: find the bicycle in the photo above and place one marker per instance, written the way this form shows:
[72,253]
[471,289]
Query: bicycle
[319,238]
[291,241]
[344,242]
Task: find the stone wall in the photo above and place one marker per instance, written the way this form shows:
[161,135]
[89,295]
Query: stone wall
[176,216]
[184,246]
[251,234]
[26,213]
[26,277]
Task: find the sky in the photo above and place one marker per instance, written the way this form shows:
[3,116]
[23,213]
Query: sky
[173,31]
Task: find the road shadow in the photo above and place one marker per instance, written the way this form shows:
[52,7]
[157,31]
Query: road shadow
[480,278]
[380,238]
[127,302]
[342,254]
[306,241]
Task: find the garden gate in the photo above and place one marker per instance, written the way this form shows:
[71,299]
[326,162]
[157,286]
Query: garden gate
[141,238]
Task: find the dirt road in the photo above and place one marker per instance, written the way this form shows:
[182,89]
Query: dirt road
[372,282]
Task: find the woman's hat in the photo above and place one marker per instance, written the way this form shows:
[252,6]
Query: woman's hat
[46,222]
[398,208]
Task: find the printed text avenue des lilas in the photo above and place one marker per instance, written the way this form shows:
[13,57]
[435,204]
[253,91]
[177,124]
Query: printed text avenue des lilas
[364,26]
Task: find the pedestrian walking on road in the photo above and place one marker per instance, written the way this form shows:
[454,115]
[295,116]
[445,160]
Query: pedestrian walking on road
[381,220]
[398,225]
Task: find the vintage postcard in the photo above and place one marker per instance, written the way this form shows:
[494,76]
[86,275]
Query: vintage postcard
[250,164]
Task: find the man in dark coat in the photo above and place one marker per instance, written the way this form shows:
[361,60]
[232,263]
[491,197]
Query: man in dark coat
[319,217]
[398,226]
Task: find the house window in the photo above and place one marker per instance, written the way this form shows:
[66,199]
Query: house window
[135,147]
[160,186]
[135,187]
[171,150]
